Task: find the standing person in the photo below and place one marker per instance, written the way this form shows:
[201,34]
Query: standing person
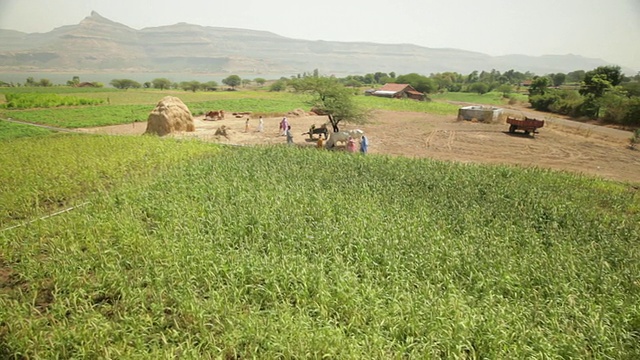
[364,144]
[285,125]
[320,143]
[289,135]
[351,145]
[260,124]
[246,125]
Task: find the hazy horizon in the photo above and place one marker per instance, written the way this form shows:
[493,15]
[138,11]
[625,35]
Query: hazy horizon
[591,28]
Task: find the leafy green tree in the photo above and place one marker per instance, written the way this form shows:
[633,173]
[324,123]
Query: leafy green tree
[576,76]
[161,83]
[421,83]
[632,88]
[210,86]
[558,79]
[45,82]
[147,85]
[260,81]
[479,87]
[505,89]
[125,84]
[539,85]
[332,98]
[246,82]
[30,82]
[190,85]
[279,85]
[600,79]
[75,81]
[392,75]
[232,80]
[514,77]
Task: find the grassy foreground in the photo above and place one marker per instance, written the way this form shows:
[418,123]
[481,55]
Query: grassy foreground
[284,252]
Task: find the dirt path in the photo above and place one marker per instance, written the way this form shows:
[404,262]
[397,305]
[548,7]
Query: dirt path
[561,144]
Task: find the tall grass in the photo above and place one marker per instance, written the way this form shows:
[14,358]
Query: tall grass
[281,252]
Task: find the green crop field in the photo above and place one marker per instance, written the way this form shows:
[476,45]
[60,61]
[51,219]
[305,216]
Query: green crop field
[10,130]
[491,98]
[126,106]
[182,249]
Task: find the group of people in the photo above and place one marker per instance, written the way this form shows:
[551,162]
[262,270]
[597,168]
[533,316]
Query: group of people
[285,130]
[364,144]
[260,125]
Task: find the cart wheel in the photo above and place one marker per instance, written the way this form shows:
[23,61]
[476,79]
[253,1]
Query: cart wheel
[512,129]
[526,132]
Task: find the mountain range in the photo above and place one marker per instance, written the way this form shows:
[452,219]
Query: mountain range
[100,45]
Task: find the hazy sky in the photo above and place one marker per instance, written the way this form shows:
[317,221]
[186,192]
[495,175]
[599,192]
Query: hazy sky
[605,29]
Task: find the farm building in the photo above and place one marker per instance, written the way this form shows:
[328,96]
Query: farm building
[399,91]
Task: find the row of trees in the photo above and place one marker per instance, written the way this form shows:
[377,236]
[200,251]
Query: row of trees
[232,81]
[604,93]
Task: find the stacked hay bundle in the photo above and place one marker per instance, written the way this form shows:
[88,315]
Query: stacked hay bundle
[169,116]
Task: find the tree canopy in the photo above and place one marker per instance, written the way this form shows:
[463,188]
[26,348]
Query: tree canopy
[232,80]
[421,83]
[330,97]
[600,79]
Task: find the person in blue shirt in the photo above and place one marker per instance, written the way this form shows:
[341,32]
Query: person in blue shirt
[364,144]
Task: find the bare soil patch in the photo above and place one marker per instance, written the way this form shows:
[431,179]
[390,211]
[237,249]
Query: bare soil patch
[560,144]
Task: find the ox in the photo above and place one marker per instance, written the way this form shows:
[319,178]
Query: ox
[343,136]
[322,130]
[215,115]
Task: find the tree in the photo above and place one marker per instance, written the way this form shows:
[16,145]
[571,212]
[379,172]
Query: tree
[125,84]
[600,79]
[74,81]
[260,81]
[279,85]
[539,85]
[421,83]
[45,82]
[505,89]
[576,76]
[232,80]
[190,85]
[246,82]
[161,83]
[210,86]
[558,79]
[331,98]
[479,87]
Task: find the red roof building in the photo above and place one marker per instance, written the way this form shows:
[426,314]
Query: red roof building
[399,91]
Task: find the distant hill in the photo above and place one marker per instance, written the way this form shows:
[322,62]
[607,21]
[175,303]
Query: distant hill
[98,44]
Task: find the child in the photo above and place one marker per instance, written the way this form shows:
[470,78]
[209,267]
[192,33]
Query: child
[351,145]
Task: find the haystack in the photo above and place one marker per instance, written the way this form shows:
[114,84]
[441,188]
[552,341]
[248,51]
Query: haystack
[170,115]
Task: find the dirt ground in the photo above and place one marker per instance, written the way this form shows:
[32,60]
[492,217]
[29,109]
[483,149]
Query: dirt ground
[560,144]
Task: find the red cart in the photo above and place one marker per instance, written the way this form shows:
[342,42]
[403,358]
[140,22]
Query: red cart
[529,126]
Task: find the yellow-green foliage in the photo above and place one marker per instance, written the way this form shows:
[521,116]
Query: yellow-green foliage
[48,173]
[37,100]
[280,252]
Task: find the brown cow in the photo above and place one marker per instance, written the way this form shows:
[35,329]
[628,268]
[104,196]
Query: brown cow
[215,115]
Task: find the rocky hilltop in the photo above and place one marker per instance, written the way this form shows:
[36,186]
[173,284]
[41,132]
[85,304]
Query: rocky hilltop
[98,44]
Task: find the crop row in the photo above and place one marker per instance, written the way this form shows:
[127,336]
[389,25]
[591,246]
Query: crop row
[286,252]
